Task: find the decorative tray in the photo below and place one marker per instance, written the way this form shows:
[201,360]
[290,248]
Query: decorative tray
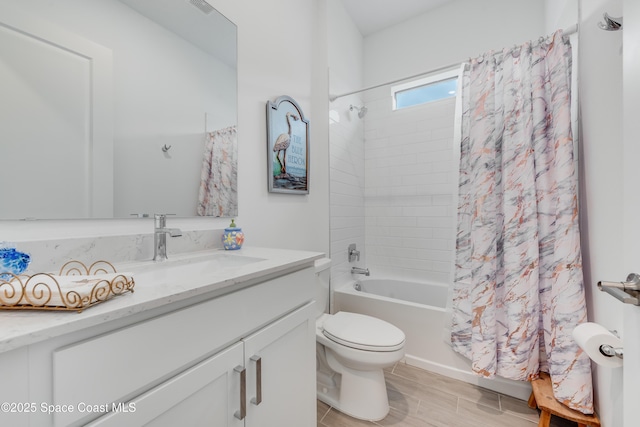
[75,288]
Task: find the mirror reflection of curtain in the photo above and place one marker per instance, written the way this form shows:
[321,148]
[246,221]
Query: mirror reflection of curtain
[518,291]
[218,180]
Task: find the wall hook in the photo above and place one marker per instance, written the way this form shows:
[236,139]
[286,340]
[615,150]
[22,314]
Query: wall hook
[165,148]
[610,24]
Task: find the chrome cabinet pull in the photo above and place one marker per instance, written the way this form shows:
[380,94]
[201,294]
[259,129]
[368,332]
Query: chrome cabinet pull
[258,399]
[243,392]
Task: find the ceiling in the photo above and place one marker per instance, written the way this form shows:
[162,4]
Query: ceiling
[374,15]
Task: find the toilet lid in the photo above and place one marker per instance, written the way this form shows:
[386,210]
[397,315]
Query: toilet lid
[363,332]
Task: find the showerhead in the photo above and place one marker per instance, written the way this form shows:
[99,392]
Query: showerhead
[362,111]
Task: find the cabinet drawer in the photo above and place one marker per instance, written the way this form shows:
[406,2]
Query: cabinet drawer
[126,362]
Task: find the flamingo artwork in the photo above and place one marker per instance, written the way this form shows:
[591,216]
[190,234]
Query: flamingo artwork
[282,143]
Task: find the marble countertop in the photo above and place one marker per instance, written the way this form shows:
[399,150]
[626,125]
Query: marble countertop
[207,273]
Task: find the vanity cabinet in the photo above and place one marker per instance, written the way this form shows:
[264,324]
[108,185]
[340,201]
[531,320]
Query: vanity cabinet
[193,364]
[261,381]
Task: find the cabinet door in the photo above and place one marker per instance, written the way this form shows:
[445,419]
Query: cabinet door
[207,394]
[14,388]
[280,362]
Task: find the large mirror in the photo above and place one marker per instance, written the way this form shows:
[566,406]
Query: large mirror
[117,108]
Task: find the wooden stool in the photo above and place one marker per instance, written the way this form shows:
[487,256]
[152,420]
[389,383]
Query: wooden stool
[542,398]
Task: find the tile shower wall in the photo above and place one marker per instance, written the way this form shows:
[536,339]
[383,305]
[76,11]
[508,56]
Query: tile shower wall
[346,141]
[410,187]
[347,187]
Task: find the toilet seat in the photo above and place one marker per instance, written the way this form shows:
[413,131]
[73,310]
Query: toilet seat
[363,332]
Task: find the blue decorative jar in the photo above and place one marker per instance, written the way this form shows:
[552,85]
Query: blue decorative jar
[12,261]
[233,237]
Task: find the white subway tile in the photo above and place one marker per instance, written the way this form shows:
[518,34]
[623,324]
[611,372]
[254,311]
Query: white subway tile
[392,187]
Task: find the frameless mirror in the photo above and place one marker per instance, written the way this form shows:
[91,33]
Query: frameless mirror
[114,108]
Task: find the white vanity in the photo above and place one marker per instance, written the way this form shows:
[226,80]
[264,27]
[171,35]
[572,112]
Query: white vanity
[213,338]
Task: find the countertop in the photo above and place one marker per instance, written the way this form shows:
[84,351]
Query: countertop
[205,274]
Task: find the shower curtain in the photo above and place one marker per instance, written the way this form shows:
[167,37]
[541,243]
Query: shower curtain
[518,290]
[217,195]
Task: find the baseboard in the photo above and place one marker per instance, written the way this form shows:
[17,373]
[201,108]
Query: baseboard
[518,389]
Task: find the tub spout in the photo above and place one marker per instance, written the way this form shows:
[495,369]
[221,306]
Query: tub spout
[358,270]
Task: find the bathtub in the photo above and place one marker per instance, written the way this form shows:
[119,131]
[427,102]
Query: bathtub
[419,309]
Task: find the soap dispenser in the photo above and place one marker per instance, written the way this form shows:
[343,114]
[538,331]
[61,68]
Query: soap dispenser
[233,237]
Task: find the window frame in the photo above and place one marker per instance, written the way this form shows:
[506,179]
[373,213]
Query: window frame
[424,81]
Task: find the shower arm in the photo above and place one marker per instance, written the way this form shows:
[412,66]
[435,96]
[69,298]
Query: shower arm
[362,111]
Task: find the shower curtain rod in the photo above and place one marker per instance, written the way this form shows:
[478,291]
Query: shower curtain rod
[567,32]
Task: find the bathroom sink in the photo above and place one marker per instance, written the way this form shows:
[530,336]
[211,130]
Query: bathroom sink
[195,266]
[217,260]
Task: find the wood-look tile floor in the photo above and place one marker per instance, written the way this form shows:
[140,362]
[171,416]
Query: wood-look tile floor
[419,398]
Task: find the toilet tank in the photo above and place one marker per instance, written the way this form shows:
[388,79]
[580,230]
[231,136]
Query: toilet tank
[323,275]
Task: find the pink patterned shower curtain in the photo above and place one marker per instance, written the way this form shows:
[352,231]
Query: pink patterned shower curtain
[218,192]
[518,291]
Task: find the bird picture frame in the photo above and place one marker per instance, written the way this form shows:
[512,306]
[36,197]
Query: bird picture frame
[287,147]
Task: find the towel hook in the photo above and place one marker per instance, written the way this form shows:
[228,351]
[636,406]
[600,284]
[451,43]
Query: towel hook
[166,148]
[610,24]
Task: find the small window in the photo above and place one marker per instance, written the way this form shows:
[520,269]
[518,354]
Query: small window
[422,91]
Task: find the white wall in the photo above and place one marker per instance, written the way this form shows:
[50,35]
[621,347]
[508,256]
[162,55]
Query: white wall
[631,205]
[347,142]
[601,177]
[281,51]
[450,34]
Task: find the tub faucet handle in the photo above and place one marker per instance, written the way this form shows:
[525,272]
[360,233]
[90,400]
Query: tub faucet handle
[354,255]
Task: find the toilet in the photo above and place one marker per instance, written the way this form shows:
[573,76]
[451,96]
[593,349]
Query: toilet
[351,352]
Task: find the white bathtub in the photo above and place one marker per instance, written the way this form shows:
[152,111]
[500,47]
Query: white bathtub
[419,309]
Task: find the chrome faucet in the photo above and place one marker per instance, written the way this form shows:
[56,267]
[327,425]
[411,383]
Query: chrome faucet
[358,270]
[160,232]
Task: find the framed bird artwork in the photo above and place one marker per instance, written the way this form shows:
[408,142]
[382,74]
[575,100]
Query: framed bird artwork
[287,147]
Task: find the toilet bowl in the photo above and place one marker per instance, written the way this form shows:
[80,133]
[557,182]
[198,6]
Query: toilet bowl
[352,351]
